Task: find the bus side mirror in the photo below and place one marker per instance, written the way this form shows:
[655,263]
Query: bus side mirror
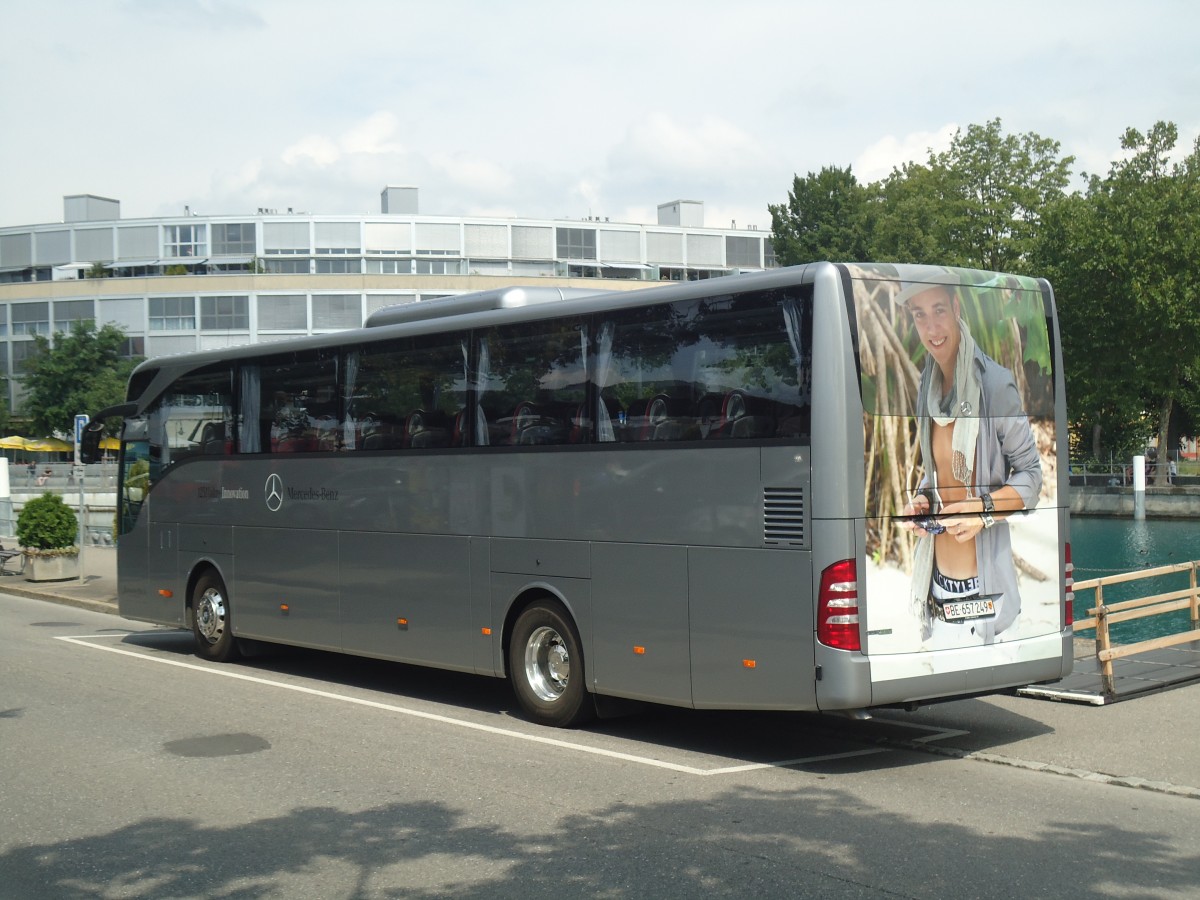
[89,442]
[93,433]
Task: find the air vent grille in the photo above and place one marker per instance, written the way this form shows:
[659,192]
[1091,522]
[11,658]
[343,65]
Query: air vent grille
[783,515]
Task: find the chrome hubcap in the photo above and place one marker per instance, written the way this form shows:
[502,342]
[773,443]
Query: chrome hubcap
[547,664]
[210,615]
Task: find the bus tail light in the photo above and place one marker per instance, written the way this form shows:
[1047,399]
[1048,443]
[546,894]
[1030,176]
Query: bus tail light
[837,606]
[1069,584]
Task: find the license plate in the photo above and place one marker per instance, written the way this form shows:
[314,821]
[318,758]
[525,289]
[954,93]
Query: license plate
[968,609]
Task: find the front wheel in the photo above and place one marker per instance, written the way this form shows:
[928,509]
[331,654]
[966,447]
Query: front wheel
[545,666]
[210,620]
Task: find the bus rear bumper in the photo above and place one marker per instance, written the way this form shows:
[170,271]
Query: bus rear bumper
[851,680]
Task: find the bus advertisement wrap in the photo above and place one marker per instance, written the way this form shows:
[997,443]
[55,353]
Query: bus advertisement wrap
[963,516]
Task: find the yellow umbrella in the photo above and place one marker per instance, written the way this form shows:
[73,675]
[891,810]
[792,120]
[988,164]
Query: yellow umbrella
[48,445]
[12,442]
[107,443]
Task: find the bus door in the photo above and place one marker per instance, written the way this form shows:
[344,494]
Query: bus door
[132,529]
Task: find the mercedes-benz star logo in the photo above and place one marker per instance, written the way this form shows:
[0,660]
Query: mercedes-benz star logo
[274,491]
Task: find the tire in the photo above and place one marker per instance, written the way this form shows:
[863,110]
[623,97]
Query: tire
[211,624]
[545,666]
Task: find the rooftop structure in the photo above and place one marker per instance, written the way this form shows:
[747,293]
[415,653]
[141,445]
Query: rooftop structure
[194,282]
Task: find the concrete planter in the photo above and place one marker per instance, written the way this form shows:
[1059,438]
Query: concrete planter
[51,568]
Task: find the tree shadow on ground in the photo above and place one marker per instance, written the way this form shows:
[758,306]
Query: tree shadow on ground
[807,842]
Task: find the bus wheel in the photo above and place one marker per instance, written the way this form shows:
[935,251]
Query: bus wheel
[545,666]
[210,620]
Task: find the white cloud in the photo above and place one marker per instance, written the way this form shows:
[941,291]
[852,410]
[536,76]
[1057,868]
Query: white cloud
[472,172]
[315,148]
[891,152]
[374,135]
[660,142]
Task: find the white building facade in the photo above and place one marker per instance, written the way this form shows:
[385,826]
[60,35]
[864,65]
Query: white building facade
[204,282]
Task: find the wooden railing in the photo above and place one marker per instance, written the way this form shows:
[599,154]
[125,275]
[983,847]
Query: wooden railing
[1103,615]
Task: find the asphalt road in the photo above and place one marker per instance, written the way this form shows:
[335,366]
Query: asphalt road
[129,768]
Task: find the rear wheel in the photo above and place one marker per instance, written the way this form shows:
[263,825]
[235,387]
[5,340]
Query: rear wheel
[545,665]
[210,620]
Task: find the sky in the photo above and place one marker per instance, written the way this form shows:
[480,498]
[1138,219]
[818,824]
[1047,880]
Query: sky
[554,108]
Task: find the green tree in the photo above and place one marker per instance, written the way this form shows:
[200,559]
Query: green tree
[913,220]
[978,204]
[80,373]
[1151,210]
[1122,257]
[825,217]
[1104,370]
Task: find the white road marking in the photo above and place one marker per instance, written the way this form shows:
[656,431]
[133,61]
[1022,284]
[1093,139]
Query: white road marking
[937,733]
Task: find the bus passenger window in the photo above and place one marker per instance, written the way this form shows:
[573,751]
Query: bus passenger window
[406,394]
[536,383]
[721,368]
[193,418]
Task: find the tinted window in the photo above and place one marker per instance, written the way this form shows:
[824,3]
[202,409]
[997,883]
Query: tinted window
[406,394]
[726,367]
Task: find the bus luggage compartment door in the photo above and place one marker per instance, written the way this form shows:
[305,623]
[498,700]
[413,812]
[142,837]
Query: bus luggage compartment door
[752,628]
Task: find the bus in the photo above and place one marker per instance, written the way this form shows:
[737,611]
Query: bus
[821,487]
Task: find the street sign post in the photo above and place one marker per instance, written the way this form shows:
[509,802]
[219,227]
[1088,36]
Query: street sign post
[81,422]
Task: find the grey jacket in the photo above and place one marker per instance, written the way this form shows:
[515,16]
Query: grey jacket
[1005,454]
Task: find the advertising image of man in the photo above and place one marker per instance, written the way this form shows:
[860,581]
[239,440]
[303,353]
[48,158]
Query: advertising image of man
[981,466]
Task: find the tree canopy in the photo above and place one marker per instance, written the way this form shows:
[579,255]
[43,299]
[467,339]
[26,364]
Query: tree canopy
[1119,253]
[80,373]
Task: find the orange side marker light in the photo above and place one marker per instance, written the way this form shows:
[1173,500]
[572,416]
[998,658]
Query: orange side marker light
[749,663]
[639,651]
[164,592]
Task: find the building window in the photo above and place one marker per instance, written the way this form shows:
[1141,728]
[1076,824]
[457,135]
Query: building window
[133,348]
[439,266]
[286,266]
[67,312]
[337,311]
[338,267]
[576,243]
[282,312]
[233,239]
[183,241]
[23,353]
[389,266]
[225,313]
[172,313]
[341,238]
[742,252]
[30,318]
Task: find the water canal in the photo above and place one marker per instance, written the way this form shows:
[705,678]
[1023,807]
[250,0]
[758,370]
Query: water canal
[1107,546]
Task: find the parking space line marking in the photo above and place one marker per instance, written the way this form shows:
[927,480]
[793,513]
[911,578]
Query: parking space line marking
[462,723]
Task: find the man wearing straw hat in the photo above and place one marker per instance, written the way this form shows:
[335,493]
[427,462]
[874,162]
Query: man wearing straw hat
[981,467]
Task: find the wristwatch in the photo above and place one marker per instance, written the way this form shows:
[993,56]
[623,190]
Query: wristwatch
[989,507]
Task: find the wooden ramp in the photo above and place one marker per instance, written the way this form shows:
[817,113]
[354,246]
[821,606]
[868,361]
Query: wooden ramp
[1121,671]
[1133,676]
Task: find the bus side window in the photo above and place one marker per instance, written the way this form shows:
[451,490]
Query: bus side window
[194,418]
[536,383]
[406,394]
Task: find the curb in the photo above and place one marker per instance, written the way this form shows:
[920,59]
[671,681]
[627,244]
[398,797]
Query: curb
[95,605]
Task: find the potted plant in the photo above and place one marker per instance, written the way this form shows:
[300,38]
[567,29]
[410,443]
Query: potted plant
[46,531]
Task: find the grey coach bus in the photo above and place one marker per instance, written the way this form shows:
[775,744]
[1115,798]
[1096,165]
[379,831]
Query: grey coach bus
[817,488]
